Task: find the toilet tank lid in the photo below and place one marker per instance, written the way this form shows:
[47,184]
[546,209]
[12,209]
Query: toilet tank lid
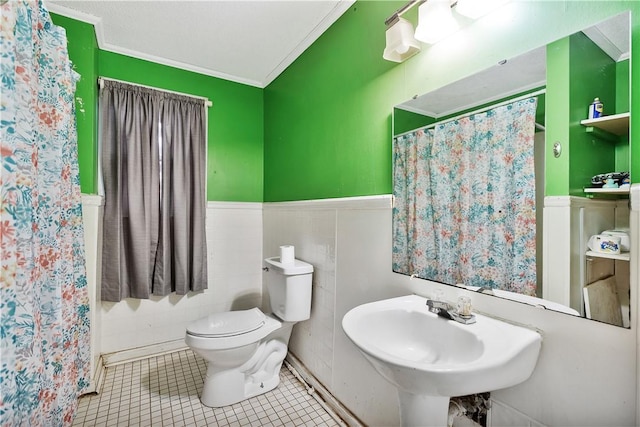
[289,269]
[228,323]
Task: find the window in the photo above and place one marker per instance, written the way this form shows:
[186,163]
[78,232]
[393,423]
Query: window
[153,149]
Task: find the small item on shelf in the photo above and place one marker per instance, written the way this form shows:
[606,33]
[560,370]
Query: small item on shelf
[596,108]
[604,243]
[617,178]
[623,233]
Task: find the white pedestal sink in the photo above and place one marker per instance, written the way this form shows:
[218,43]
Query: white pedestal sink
[429,358]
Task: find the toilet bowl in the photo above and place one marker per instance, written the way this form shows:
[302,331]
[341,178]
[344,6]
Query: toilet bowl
[245,349]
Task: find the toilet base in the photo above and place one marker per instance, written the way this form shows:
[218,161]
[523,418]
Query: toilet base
[257,376]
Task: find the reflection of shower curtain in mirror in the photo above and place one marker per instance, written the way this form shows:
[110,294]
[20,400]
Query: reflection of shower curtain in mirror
[464,200]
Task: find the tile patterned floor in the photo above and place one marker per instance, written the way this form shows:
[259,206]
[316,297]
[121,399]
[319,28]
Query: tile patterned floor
[164,391]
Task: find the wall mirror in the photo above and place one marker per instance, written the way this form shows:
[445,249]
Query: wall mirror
[588,64]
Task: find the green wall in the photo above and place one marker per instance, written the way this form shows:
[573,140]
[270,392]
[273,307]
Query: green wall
[558,84]
[83,51]
[622,87]
[405,121]
[327,116]
[623,154]
[322,129]
[577,72]
[235,128]
[235,122]
[592,74]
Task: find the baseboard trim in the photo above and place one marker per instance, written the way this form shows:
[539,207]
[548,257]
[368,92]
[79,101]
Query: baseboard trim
[98,378]
[100,373]
[138,353]
[334,404]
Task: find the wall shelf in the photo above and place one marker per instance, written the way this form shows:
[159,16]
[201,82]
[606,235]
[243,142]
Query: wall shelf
[623,256]
[624,190]
[617,124]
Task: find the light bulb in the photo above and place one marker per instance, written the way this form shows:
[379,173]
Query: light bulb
[435,21]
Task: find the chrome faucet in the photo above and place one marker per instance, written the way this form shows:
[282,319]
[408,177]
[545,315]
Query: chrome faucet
[443,309]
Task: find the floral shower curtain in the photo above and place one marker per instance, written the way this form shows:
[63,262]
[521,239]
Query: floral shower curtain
[464,200]
[44,304]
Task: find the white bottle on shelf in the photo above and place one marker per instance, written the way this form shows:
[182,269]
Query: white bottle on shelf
[596,109]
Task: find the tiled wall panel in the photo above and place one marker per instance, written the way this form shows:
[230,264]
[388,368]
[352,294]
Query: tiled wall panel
[234,241]
[578,379]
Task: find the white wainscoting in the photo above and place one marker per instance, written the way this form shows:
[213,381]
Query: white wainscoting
[586,373]
[135,328]
[502,415]
[348,241]
[92,210]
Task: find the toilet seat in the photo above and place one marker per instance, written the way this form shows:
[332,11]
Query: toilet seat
[228,323]
[230,329]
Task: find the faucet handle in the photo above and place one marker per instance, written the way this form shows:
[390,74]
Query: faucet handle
[463,308]
[442,309]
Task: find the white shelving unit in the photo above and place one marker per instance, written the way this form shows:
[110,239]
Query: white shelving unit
[623,256]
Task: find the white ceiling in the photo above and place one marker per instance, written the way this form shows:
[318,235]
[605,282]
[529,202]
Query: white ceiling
[246,41]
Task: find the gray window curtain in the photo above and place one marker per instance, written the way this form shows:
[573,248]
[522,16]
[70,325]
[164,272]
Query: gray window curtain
[154,172]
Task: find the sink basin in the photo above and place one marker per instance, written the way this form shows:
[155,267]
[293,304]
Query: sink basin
[429,358]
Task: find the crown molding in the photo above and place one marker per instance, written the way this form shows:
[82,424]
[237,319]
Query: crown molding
[339,9]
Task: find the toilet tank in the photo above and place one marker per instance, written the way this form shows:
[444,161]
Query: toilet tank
[289,288]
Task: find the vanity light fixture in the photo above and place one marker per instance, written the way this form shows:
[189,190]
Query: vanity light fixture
[401,44]
[435,21]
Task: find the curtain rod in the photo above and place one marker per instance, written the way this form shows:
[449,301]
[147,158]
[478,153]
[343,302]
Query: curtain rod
[479,110]
[207,103]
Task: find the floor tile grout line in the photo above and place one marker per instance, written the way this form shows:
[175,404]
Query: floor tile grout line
[168,388]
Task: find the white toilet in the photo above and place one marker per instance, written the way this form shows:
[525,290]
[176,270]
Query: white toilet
[245,349]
